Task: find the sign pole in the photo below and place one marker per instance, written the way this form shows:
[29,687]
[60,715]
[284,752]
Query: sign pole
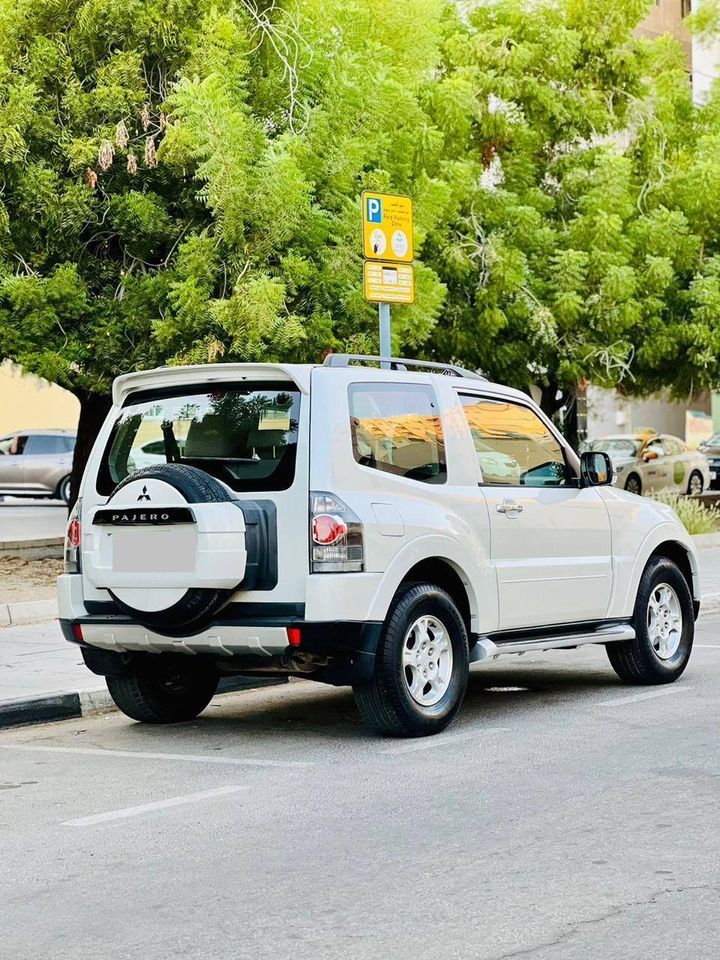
[385,338]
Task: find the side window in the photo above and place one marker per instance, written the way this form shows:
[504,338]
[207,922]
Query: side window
[396,429]
[672,447]
[38,443]
[513,445]
[12,446]
[655,446]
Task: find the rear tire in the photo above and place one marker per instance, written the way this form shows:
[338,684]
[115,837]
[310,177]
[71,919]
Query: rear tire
[421,667]
[695,484]
[165,691]
[664,628]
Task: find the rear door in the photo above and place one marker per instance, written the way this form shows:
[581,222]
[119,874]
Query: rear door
[550,540]
[676,463]
[46,461]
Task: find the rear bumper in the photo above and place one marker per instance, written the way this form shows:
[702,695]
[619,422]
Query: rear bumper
[110,643]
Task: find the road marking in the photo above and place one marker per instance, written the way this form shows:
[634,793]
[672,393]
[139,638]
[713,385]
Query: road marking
[424,743]
[707,646]
[138,755]
[644,696]
[147,807]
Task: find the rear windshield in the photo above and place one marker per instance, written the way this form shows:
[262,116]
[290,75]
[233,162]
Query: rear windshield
[245,435]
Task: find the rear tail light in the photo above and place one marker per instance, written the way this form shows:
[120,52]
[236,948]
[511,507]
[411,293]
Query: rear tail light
[73,541]
[336,536]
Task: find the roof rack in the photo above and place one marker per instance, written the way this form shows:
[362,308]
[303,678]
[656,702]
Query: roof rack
[400,363]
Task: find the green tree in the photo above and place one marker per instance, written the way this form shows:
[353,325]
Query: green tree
[181,180]
[580,239]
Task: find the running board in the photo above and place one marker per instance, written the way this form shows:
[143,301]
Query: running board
[485,648]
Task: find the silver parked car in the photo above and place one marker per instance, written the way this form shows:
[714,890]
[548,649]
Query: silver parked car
[648,462]
[36,463]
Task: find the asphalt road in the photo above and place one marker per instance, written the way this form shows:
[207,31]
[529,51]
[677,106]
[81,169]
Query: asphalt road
[32,519]
[564,817]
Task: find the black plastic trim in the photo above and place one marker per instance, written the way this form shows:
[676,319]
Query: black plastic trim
[133,517]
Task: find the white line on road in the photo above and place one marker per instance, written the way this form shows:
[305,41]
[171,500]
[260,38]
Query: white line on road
[147,807]
[644,696]
[425,743]
[137,755]
[707,646]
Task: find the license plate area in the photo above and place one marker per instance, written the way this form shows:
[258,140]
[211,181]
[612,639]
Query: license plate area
[154,550]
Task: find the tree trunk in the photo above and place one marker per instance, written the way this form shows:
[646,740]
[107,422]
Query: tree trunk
[93,410]
[551,404]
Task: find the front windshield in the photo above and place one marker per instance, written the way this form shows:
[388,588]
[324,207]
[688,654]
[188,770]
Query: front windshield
[617,446]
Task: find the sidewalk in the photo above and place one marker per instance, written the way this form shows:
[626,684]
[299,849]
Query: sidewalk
[43,677]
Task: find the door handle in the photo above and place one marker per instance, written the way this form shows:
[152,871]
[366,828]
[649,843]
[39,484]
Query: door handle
[509,507]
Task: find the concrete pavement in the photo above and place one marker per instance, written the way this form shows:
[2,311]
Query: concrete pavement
[563,816]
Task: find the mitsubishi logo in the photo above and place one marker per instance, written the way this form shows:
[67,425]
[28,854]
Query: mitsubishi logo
[144,495]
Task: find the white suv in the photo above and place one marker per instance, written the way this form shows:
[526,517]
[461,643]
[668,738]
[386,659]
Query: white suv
[349,524]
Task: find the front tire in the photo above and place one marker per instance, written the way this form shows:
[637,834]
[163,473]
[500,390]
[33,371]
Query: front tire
[421,667]
[164,691]
[63,490]
[664,628]
[633,484]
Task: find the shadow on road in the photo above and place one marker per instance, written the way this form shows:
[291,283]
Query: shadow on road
[307,710]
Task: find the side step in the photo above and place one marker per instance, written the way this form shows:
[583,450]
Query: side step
[486,647]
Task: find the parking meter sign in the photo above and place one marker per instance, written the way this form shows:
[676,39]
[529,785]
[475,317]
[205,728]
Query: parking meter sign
[387,227]
[388,282]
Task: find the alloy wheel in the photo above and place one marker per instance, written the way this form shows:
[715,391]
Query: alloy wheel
[664,621]
[427,661]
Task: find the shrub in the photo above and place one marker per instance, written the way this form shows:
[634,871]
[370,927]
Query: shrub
[694,515]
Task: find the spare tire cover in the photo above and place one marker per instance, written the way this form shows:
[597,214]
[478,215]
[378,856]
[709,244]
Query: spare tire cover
[169,545]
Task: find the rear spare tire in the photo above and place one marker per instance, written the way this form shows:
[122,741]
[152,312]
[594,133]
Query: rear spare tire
[175,545]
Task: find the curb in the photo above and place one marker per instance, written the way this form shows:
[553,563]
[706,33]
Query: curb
[53,707]
[32,611]
[49,548]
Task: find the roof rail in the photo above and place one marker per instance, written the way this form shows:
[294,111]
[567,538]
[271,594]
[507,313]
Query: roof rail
[400,363]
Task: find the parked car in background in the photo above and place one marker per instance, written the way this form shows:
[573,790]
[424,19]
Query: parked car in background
[648,462]
[710,448]
[36,463]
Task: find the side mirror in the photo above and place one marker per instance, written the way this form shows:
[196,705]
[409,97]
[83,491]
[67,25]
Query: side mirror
[596,469]
[650,455]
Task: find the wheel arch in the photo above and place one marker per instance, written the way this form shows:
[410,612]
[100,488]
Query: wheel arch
[442,572]
[439,567]
[685,560]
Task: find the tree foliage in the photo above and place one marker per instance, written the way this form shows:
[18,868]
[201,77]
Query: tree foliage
[180,182]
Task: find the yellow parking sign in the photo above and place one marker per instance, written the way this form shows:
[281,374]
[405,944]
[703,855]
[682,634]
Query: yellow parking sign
[388,282]
[387,227]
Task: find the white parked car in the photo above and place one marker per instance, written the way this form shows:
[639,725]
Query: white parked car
[382,528]
[649,462]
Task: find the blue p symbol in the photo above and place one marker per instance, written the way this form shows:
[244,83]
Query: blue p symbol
[374,210]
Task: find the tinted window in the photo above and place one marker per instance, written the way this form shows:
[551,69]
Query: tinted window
[244,435]
[48,443]
[513,445]
[396,429]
